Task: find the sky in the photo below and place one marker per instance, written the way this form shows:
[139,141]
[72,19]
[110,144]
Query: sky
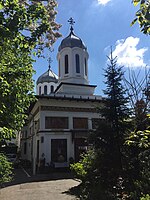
[101,24]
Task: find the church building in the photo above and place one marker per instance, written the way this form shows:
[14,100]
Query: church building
[65,111]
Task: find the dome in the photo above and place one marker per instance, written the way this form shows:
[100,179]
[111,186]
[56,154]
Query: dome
[72,41]
[48,76]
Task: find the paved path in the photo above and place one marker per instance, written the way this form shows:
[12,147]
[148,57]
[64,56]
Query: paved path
[39,190]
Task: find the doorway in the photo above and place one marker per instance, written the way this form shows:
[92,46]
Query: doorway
[59,150]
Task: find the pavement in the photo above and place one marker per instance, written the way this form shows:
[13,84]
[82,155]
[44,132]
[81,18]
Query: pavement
[52,186]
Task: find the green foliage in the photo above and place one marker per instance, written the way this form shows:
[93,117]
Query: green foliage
[5,169]
[16,86]
[29,23]
[145,197]
[115,107]
[140,139]
[143,15]
[84,165]
[115,110]
[139,162]
[26,28]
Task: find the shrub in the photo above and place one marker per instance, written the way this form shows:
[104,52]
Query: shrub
[5,169]
[145,197]
[82,168]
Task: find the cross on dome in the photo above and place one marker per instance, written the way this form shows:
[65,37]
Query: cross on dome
[71,22]
[49,62]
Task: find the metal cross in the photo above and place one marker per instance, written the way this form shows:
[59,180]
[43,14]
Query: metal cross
[49,62]
[71,22]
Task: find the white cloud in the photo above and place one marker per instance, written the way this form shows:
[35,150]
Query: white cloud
[128,54]
[103,2]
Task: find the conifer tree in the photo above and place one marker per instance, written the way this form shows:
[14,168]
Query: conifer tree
[115,109]
[108,140]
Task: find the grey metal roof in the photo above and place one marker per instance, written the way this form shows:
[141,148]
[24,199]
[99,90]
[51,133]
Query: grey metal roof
[48,76]
[72,41]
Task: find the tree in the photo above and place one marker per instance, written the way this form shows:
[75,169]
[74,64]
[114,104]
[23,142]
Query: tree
[28,23]
[143,15]
[112,135]
[26,28]
[103,174]
[137,86]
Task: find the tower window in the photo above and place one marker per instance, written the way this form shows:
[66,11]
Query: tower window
[85,65]
[40,90]
[66,64]
[45,89]
[77,64]
[52,88]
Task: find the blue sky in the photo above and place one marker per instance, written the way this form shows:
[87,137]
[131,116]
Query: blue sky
[101,24]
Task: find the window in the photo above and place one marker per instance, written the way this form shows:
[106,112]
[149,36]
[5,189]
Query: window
[59,150]
[77,63]
[56,122]
[66,64]
[80,123]
[52,88]
[45,89]
[40,90]
[85,66]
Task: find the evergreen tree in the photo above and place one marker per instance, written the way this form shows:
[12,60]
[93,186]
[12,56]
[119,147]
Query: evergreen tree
[102,175]
[109,138]
[115,109]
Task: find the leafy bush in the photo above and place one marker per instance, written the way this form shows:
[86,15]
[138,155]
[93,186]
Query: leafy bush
[5,169]
[81,168]
[145,197]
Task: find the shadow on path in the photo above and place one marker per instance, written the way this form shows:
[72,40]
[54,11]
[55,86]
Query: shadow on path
[20,177]
[74,191]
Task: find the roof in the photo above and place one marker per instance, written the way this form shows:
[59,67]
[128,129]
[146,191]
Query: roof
[74,84]
[48,76]
[72,41]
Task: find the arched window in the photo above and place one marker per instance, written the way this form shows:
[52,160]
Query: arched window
[40,90]
[85,66]
[45,89]
[52,88]
[66,64]
[77,64]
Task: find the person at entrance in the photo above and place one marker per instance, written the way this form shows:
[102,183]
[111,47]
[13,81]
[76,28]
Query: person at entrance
[61,158]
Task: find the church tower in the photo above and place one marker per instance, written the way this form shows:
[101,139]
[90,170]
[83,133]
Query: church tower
[73,65]
[47,83]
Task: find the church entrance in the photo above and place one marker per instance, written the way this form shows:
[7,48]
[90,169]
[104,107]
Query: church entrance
[59,150]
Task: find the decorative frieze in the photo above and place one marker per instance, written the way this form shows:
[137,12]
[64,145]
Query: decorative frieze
[68,109]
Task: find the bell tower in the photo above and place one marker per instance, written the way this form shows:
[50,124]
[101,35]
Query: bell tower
[73,59]
[73,65]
